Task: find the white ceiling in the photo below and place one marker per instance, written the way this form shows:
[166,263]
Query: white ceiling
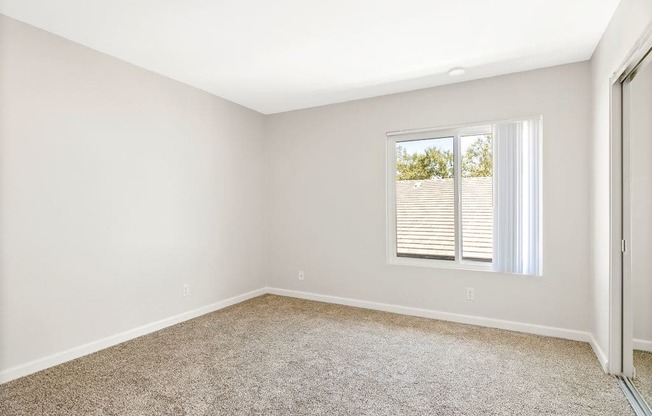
[280,55]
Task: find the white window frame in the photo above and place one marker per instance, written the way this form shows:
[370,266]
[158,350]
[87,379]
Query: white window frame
[422,134]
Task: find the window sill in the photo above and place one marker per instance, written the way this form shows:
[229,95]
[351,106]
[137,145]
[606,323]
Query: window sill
[450,265]
[440,264]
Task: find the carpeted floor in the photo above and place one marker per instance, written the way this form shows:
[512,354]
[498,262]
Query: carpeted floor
[280,356]
[643,380]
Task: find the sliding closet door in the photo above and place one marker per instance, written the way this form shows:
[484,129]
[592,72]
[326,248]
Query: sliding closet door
[637,192]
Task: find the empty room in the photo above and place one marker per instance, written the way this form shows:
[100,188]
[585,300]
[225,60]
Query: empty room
[345,207]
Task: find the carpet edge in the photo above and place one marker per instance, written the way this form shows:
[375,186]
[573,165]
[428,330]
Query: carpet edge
[570,334]
[61,357]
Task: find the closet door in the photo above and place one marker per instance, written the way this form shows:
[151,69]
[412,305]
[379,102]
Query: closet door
[637,227]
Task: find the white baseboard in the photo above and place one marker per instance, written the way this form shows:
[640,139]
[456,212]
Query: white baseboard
[444,316]
[61,357]
[76,352]
[602,356]
[642,345]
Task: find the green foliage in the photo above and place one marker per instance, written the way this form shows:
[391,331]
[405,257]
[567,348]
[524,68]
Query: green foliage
[478,160]
[433,163]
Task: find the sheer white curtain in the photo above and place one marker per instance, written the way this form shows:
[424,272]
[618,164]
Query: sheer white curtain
[517,196]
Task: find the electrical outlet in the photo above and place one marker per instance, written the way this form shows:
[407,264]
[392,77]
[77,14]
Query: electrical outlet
[470,293]
[186,289]
[301,275]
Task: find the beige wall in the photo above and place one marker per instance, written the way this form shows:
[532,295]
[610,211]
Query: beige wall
[118,186]
[627,25]
[327,199]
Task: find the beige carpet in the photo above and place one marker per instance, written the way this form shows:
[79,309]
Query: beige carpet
[643,380]
[279,356]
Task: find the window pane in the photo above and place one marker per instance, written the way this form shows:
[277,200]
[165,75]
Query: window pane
[477,197]
[425,214]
